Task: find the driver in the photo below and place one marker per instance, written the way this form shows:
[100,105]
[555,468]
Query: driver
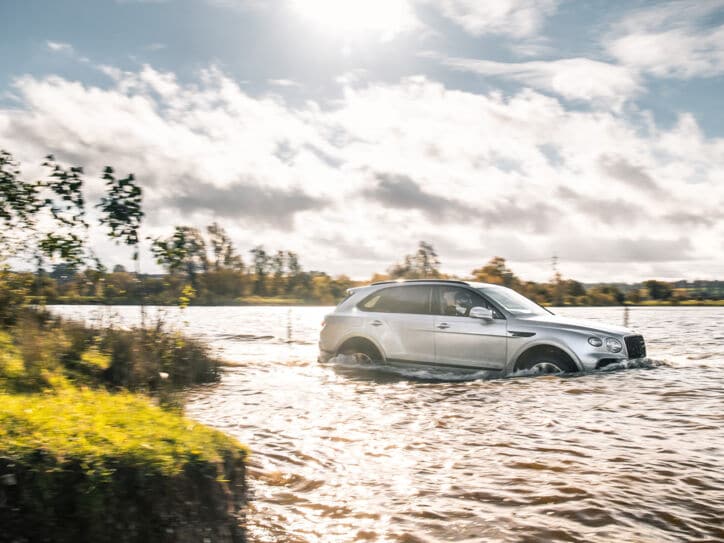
[463,303]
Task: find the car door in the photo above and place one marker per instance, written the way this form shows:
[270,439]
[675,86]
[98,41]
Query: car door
[400,320]
[461,340]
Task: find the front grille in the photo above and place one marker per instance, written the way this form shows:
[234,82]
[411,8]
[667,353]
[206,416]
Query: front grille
[635,346]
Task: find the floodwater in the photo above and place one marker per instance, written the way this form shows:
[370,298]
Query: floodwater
[349,454]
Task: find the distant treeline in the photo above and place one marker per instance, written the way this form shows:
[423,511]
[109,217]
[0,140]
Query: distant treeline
[206,270]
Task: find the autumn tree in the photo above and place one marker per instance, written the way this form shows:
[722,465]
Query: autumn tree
[497,272]
[424,263]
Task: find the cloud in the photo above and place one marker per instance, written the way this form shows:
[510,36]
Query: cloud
[283,82]
[243,200]
[688,218]
[401,192]
[608,211]
[522,175]
[517,18]
[59,47]
[625,250]
[573,78]
[672,39]
[631,174]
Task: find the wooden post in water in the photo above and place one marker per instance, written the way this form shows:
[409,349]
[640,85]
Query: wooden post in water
[289,325]
[625,316]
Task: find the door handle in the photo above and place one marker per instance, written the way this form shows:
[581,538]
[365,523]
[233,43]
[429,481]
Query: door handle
[376,323]
[443,325]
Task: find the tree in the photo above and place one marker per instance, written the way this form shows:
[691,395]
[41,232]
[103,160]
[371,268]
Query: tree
[261,269]
[422,264]
[295,269]
[64,273]
[62,236]
[18,201]
[184,251]
[496,271]
[225,256]
[121,209]
[658,290]
[62,195]
[278,265]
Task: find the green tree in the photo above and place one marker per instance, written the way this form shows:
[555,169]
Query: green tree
[658,290]
[19,203]
[184,251]
[261,262]
[121,209]
[278,267]
[294,269]
[225,256]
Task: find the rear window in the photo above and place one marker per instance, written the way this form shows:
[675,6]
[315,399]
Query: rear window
[407,299]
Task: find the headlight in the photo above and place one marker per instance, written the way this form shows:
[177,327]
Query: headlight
[595,341]
[613,345]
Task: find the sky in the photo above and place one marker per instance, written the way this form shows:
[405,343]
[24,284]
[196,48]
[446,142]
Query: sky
[350,130]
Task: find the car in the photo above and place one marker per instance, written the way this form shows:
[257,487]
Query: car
[468,325]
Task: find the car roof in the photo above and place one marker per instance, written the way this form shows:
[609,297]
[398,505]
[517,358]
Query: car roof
[474,284]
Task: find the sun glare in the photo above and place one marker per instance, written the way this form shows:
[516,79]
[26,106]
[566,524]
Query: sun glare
[352,18]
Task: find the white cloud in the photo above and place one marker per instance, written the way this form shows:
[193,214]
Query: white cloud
[517,18]
[283,82]
[328,179]
[674,39]
[354,19]
[59,46]
[572,78]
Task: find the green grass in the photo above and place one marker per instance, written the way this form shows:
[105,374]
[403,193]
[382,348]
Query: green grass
[102,430]
[84,458]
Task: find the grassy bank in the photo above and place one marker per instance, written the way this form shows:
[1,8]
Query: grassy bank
[84,459]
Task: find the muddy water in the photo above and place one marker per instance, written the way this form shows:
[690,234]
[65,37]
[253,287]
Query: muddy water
[347,454]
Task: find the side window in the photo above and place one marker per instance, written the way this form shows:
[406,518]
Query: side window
[402,299]
[457,302]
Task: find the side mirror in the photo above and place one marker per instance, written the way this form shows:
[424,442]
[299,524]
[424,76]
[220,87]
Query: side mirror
[481,313]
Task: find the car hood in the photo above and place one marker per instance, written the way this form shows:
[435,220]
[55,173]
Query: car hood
[555,321]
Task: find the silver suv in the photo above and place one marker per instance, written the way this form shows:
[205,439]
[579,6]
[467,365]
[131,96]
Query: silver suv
[468,325]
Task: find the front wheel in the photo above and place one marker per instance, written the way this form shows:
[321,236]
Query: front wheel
[546,363]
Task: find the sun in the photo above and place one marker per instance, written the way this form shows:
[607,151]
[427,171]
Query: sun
[382,19]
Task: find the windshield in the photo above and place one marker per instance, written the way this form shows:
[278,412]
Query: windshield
[513,302]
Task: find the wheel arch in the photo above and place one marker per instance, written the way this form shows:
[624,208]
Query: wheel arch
[357,341]
[546,347]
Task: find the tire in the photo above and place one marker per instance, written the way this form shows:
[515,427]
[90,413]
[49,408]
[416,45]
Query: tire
[546,361]
[363,353]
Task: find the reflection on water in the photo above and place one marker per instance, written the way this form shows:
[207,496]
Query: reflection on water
[343,453]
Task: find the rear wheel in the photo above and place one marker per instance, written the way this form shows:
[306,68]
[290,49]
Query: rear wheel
[362,351]
[546,360]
